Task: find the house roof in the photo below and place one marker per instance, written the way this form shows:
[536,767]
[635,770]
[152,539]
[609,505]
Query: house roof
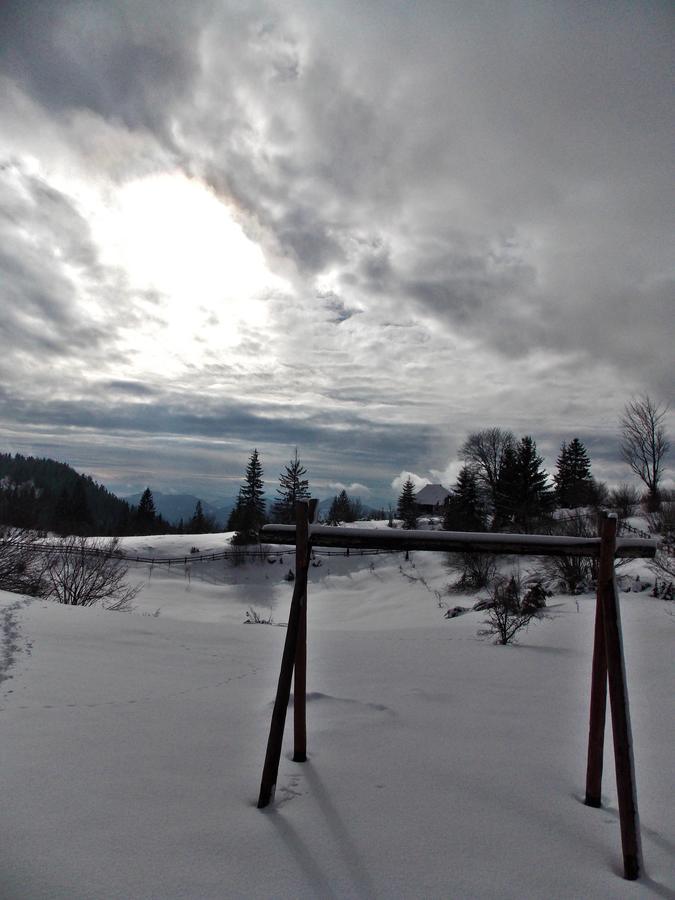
[432,495]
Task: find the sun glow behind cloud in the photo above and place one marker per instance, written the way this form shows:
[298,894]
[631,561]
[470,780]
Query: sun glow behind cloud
[180,245]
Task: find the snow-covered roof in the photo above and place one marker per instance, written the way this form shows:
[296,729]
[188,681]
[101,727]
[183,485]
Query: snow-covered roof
[432,494]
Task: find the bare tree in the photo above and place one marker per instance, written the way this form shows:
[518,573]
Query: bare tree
[508,611]
[644,443]
[483,451]
[84,571]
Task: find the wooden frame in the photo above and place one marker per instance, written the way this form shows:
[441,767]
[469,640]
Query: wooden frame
[608,659]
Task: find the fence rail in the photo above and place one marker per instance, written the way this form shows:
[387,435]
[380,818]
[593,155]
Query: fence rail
[257,551]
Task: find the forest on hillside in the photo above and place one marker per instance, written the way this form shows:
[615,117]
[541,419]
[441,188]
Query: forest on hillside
[46,495]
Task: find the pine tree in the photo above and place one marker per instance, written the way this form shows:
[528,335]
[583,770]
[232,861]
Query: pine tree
[292,488]
[573,480]
[465,510]
[198,524]
[235,517]
[79,508]
[248,516]
[407,508]
[534,499]
[146,514]
[340,509]
[523,495]
[72,510]
[506,490]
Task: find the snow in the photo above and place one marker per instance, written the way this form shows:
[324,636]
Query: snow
[440,765]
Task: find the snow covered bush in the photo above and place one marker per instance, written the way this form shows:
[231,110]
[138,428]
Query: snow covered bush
[455,611]
[663,564]
[253,617]
[535,595]
[508,611]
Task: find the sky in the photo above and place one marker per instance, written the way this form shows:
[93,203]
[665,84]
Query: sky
[359,229]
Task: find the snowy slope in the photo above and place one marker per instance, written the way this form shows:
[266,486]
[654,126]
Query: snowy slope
[440,765]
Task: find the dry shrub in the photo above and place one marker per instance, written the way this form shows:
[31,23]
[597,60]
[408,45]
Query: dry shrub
[476,570]
[511,608]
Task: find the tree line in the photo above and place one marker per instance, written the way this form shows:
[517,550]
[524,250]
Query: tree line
[250,511]
[503,486]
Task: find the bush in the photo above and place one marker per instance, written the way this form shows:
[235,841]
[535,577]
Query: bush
[253,617]
[535,596]
[84,571]
[663,564]
[624,500]
[476,570]
[662,520]
[573,574]
[508,611]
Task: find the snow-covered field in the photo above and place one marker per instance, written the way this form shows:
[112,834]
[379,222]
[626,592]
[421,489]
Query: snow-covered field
[440,764]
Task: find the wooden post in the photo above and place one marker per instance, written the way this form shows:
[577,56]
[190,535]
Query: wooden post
[596,729]
[621,731]
[276,735]
[305,513]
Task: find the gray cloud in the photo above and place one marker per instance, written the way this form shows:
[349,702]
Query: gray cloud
[42,236]
[117,60]
[489,185]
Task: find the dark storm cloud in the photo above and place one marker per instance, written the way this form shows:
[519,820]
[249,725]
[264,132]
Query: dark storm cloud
[114,59]
[176,418]
[130,389]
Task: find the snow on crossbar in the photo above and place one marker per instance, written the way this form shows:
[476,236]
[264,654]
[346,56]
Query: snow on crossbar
[608,660]
[455,541]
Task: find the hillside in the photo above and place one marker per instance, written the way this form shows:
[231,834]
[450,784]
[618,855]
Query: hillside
[48,495]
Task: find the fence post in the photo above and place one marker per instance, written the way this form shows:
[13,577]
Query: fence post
[596,729]
[276,735]
[304,516]
[621,730]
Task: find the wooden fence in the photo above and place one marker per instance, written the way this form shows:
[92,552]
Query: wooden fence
[608,659]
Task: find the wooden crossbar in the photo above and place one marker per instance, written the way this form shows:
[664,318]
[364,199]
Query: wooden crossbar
[456,541]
